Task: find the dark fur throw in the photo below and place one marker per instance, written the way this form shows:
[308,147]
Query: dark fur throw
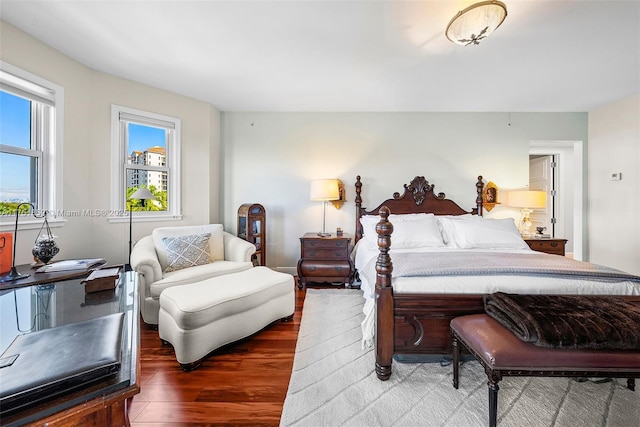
[569,321]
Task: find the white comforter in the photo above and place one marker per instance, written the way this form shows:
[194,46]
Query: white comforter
[364,252]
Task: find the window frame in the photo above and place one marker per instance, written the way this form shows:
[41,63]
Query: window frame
[120,117]
[47,141]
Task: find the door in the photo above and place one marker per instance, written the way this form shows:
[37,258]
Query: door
[542,170]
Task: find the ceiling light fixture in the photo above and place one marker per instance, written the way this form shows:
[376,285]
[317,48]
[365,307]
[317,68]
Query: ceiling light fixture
[476,22]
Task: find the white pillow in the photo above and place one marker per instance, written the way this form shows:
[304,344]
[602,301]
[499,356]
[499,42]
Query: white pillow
[369,222]
[216,241]
[422,233]
[446,226]
[187,251]
[369,226]
[487,234]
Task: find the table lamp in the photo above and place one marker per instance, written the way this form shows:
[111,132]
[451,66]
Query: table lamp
[527,200]
[141,194]
[324,190]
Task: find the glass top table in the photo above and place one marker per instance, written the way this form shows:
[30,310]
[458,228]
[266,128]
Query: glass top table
[28,309]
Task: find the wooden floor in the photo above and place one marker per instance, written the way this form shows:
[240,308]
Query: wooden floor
[242,384]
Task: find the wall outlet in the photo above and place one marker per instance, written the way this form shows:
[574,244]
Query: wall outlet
[616,176]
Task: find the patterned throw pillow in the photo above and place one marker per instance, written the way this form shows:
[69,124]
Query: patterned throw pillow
[187,251]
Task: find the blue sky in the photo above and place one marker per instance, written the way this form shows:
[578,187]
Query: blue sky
[15,130]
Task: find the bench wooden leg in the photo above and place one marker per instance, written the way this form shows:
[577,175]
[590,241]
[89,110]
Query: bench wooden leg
[493,402]
[456,361]
[631,384]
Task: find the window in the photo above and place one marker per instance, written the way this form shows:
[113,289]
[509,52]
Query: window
[145,154]
[31,129]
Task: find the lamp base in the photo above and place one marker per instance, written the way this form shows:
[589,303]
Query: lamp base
[323,234]
[525,223]
[12,276]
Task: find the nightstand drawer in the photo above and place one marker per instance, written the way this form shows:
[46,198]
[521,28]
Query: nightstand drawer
[549,246]
[327,254]
[334,243]
[325,268]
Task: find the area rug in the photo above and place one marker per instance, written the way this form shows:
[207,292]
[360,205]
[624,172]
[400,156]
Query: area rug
[333,383]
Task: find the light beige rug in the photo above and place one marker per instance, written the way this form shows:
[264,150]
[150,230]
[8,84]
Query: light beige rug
[333,383]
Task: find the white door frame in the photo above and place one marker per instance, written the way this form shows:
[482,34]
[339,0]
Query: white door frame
[569,151]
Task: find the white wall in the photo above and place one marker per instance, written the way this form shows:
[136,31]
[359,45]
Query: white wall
[614,220]
[270,158]
[86,177]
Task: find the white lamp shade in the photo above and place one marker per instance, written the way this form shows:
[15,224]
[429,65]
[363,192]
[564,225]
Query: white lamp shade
[142,194]
[324,190]
[527,199]
[476,22]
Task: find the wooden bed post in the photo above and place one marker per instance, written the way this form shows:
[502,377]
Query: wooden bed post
[358,209]
[479,189]
[384,298]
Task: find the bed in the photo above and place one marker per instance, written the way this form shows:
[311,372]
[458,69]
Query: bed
[409,303]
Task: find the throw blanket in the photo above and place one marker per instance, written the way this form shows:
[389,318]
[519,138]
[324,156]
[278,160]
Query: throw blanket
[568,321]
[406,264]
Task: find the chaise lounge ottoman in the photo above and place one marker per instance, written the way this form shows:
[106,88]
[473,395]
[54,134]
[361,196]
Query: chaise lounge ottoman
[200,317]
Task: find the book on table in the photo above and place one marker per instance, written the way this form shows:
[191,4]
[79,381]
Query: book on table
[72,265]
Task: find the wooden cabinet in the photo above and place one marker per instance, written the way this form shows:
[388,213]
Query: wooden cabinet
[325,259]
[549,246]
[252,228]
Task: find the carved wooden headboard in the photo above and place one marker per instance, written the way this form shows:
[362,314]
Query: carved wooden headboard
[418,197]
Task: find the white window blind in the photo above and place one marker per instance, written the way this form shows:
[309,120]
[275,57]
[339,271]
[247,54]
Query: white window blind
[25,89]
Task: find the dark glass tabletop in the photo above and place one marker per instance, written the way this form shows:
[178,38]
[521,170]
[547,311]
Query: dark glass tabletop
[28,309]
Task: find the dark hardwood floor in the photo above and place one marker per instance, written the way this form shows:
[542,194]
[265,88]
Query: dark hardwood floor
[242,384]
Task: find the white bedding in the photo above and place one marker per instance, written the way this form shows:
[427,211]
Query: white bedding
[365,251]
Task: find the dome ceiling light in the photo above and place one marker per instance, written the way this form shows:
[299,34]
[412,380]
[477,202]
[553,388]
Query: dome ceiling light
[476,22]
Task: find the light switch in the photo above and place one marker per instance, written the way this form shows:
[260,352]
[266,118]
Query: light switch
[616,176]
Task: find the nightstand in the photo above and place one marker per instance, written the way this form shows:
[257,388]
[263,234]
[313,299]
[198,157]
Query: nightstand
[325,259]
[550,246]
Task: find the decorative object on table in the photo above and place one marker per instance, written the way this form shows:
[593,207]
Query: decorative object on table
[476,22]
[5,252]
[540,230]
[103,279]
[13,273]
[490,196]
[324,190]
[252,228]
[45,248]
[527,200]
[141,194]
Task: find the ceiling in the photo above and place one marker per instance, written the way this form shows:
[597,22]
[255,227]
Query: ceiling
[341,55]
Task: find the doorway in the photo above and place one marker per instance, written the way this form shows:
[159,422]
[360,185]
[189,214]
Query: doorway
[568,183]
[542,177]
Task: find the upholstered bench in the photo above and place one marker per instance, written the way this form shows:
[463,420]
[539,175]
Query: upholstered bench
[200,317]
[501,353]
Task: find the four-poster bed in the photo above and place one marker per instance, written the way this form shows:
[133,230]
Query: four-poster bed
[409,310]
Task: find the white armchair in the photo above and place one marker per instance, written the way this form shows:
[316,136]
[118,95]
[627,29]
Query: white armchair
[229,254]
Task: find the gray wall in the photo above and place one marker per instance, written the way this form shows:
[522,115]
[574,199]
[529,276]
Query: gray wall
[270,158]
